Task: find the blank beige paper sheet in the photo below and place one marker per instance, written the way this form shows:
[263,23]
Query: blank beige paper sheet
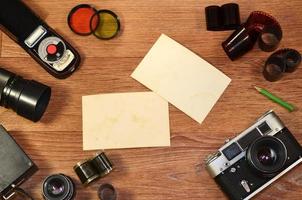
[125,120]
[181,77]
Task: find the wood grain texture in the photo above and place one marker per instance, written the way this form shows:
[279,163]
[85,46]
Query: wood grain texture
[175,173]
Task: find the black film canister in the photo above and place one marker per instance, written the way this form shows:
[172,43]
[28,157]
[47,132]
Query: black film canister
[213,18]
[270,38]
[239,42]
[274,68]
[293,60]
[28,98]
[230,16]
[107,192]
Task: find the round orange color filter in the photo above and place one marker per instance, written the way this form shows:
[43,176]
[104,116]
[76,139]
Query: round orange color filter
[80,19]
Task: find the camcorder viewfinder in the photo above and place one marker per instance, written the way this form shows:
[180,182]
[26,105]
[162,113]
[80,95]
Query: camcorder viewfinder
[40,41]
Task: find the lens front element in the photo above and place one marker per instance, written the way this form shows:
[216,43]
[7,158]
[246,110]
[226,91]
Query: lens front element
[267,155]
[58,187]
[55,187]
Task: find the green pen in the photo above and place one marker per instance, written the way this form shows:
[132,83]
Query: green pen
[276,99]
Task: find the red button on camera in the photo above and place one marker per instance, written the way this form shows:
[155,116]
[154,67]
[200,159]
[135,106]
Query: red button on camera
[51,49]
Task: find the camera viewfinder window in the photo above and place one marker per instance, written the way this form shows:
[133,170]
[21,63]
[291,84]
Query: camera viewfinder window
[231,151]
[264,128]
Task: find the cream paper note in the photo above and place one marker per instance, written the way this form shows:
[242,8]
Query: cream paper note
[125,120]
[181,77]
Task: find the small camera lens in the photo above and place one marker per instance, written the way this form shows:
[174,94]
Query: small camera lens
[55,187]
[58,187]
[267,155]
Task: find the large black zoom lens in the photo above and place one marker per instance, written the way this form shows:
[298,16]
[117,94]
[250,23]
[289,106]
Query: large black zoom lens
[267,155]
[58,187]
[27,98]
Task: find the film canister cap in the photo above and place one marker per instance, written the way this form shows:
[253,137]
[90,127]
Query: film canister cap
[108,24]
[231,16]
[79,19]
[213,18]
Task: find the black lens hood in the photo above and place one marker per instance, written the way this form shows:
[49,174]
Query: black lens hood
[28,98]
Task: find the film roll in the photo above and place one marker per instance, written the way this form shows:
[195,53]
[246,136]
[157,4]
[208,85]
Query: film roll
[293,60]
[239,43]
[86,172]
[93,168]
[270,38]
[274,68]
[283,60]
[259,26]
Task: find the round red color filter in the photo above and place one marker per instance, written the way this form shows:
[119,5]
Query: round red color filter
[79,19]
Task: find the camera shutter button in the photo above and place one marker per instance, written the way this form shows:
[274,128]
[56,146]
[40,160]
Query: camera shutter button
[51,49]
[245,185]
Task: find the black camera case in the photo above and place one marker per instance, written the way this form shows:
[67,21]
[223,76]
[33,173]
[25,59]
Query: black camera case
[16,167]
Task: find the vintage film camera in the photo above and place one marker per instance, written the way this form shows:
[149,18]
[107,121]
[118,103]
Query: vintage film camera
[257,157]
[16,167]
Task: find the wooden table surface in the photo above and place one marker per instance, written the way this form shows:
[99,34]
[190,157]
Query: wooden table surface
[177,172]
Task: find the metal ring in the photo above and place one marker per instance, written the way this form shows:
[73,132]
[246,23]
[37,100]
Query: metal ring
[107,192]
[101,32]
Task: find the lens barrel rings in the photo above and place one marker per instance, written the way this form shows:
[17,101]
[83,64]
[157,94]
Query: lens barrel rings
[28,98]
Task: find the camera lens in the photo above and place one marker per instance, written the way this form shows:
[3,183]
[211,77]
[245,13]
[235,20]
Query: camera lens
[55,187]
[58,187]
[27,98]
[267,155]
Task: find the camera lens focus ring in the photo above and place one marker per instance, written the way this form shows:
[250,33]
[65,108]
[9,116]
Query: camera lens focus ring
[267,155]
